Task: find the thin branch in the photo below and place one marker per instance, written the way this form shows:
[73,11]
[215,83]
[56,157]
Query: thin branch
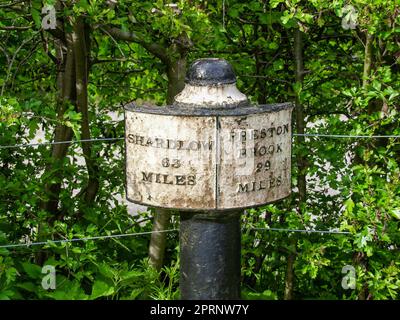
[24,60]
[98,61]
[126,72]
[154,48]
[11,4]
[15,28]
[5,54]
[46,49]
[263,77]
[112,38]
[13,58]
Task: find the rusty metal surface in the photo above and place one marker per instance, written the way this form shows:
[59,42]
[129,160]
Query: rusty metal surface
[217,161]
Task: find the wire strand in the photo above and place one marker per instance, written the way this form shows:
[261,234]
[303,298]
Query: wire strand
[121,138]
[302,230]
[57,142]
[344,136]
[17,245]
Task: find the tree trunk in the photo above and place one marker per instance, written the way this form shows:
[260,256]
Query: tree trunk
[62,133]
[300,160]
[52,174]
[158,239]
[367,59]
[299,112]
[289,279]
[176,71]
[81,52]
[359,257]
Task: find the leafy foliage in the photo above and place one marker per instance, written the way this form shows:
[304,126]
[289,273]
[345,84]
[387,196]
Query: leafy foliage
[351,86]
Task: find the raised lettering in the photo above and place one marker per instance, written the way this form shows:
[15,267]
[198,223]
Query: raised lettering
[147,177]
[191,180]
[166,179]
[130,138]
[286,128]
[180,180]
[243,188]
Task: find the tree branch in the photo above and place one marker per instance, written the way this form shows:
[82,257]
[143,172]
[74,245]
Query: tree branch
[15,28]
[11,4]
[154,48]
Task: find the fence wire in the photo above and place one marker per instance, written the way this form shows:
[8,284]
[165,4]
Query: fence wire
[123,235]
[318,135]
[47,143]
[16,245]
[302,230]
[344,136]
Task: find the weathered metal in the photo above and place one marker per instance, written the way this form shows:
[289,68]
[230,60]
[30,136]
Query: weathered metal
[210,255]
[211,149]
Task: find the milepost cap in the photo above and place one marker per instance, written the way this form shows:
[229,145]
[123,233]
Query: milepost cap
[210,71]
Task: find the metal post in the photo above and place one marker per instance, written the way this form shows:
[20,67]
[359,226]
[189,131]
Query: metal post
[210,255]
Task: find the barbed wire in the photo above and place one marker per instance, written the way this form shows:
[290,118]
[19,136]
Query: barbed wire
[121,138]
[48,242]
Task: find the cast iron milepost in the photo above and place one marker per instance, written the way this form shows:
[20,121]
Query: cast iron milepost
[209,155]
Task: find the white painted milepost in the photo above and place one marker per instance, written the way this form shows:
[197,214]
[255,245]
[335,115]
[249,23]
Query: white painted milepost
[208,155]
[218,158]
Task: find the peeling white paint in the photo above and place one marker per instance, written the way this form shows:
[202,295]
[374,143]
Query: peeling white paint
[211,96]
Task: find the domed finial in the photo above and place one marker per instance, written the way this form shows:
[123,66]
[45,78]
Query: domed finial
[210,71]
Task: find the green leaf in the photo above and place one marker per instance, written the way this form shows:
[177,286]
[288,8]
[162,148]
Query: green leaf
[83,4]
[130,275]
[11,275]
[6,295]
[286,17]
[234,13]
[266,295]
[106,270]
[67,290]
[136,292]
[101,289]
[297,87]
[376,85]
[34,271]
[349,204]
[36,17]
[395,213]
[273,45]
[73,115]
[28,286]
[274,3]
